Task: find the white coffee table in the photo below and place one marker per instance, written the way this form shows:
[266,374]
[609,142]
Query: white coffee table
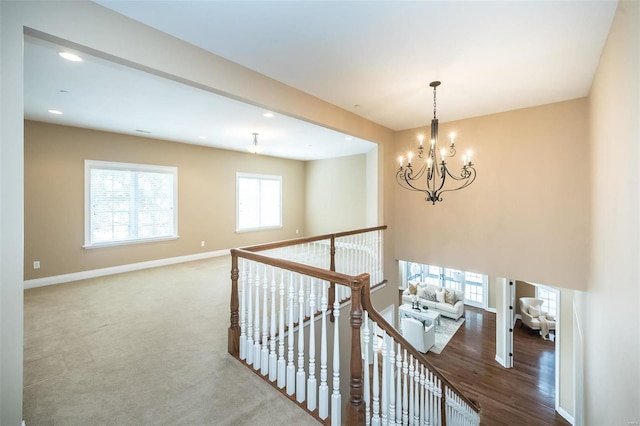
[405,310]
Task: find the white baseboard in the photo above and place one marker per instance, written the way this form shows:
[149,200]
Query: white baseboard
[500,361]
[568,417]
[94,273]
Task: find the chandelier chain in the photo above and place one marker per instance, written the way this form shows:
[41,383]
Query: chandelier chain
[434,102]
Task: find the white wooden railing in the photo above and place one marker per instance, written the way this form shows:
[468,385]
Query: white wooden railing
[281,296]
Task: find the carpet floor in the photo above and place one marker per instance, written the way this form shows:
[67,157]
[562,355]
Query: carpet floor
[142,348]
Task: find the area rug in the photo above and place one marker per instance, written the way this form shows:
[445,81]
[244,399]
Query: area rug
[444,332]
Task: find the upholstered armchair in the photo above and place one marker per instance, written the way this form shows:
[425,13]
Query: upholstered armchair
[421,336]
[530,311]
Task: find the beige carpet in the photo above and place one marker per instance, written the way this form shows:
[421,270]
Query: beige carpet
[142,348]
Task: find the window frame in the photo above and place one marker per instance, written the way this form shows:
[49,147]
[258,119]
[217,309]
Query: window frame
[260,177]
[545,306]
[90,165]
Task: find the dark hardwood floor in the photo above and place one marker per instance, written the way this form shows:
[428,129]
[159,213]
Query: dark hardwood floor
[523,395]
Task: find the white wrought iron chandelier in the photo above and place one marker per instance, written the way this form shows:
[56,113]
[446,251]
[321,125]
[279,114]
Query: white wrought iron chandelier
[255,148]
[433,177]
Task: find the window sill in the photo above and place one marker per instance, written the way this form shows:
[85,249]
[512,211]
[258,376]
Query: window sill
[128,242]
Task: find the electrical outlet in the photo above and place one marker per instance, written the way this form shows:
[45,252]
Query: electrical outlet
[297,232]
[36,264]
[201,243]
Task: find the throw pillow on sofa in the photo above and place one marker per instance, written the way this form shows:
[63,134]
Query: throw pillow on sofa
[450,296]
[413,288]
[440,295]
[431,295]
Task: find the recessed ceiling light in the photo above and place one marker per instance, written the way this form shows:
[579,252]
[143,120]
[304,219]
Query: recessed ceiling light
[348,138]
[268,114]
[55,111]
[202,137]
[70,56]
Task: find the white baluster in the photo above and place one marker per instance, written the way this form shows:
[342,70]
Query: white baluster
[256,324]
[291,369]
[243,311]
[416,395]
[365,355]
[264,359]
[399,386]
[405,389]
[392,383]
[423,413]
[249,345]
[385,381]
[282,373]
[336,400]
[375,419]
[273,358]
[300,376]
[311,381]
[323,397]
[411,391]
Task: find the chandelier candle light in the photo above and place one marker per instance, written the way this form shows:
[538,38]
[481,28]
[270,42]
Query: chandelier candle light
[433,176]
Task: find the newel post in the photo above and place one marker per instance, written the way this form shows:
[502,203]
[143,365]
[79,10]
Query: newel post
[356,406]
[234,328]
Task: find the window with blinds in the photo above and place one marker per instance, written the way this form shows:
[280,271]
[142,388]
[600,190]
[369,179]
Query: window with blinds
[129,203]
[258,202]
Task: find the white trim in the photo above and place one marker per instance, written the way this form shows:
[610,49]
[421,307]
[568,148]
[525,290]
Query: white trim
[492,310]
[94,273]
[90,165]
[500,361]
[568,417]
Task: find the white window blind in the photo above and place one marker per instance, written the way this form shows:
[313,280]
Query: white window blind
[259,202]
[128,203]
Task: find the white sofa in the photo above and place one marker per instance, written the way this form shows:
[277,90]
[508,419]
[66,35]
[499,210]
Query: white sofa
[434,297]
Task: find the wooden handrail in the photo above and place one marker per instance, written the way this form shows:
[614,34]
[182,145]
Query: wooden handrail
[304,240]
[390,330]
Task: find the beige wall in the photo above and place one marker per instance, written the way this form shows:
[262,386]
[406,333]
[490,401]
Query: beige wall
[524,216]
[336,196]
[523,289]
[611,324]
[54,197]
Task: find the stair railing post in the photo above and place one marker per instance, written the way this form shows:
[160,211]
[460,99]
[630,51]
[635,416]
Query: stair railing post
[233,345]
[356,406]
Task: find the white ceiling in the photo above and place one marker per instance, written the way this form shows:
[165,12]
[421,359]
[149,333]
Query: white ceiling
[491,56]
